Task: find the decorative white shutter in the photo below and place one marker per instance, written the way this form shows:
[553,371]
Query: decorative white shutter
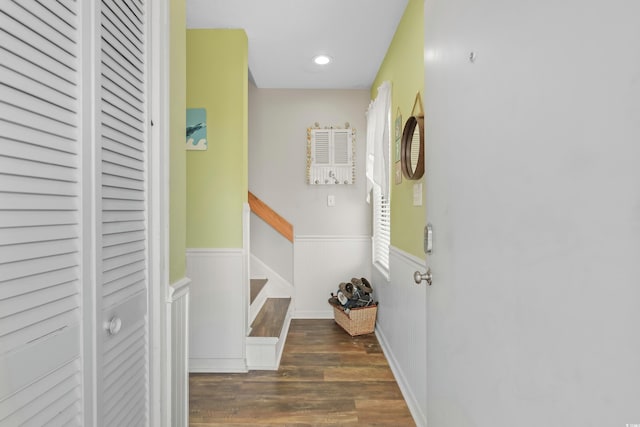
[40,316]
[330,158]
[342,147]
[123,393]
[320,147]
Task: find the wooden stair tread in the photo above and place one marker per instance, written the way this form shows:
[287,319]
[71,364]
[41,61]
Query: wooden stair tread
[256,287]
[270,319]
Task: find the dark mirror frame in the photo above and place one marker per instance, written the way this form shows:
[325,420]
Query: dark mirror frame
[405,148]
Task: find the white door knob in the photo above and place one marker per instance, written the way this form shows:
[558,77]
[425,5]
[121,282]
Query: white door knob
[114,325]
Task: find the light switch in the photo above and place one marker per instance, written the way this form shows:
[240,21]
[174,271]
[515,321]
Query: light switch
[417,194]
[331,200]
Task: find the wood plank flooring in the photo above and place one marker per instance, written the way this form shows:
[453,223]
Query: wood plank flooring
[270,318]
[326,377]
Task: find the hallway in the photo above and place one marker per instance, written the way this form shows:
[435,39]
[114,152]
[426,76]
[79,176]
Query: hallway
[325,378]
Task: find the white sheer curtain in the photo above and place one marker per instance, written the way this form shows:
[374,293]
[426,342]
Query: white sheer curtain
[377,168]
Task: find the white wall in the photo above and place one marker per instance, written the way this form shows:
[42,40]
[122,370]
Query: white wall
[532,159]
[274,249]
[401,328]
[218,310]
[278,122]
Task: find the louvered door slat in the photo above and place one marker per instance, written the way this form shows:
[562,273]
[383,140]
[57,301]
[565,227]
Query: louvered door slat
[130,365]
[118,79]
[34,331]
[19,21]
[122,171]
[31,267]
[22,46]
[40,313]
[16,81]
[130,33]
[19,167]
[60,13]
[38,106]
[70,5]
[18,202]
[37,218]
[58,392]
[123,226]
[30,118]
[120,182]
[117,216]
[115,158]
[123,205]
[22,398]
[66,399]
[36,250]
[31,185]
[115,51]
[123,249]
[26,302]
[36,282]
[129,405]
[124,113]
[45,77]
[17,235]
[25,142]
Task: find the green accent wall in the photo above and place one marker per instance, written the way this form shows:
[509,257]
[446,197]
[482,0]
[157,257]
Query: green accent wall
[177,155]
[403,66]
[217,179]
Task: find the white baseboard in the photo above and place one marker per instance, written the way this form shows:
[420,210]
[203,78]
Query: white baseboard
[319,314]
[217,365]
[414,407]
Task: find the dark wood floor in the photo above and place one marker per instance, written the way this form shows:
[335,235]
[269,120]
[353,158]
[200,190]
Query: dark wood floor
[270,319]
[326,377]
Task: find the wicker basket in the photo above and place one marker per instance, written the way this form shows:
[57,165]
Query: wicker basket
[359,321]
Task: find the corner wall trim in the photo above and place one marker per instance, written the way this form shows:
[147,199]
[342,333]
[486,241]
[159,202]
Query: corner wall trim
[178,289]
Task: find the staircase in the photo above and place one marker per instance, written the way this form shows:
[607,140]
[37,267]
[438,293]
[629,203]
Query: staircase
[270,318]
[270,303]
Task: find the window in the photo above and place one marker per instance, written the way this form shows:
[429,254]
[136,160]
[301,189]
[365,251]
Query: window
[381,230]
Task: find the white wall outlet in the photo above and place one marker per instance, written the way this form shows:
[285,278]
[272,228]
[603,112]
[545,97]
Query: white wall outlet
[331,200]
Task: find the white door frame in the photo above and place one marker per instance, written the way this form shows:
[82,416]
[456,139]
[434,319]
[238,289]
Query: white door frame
[159,351]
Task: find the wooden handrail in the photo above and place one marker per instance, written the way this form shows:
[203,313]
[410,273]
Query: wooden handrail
[271,217]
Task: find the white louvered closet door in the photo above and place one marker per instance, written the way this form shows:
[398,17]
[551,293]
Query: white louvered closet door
[40,216]
[123,285]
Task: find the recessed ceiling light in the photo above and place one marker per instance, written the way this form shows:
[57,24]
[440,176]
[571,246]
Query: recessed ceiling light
[322,59]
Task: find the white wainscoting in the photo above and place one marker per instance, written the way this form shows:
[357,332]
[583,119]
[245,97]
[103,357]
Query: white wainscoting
[320,264]
[401,328]
[178,315]
[218,310]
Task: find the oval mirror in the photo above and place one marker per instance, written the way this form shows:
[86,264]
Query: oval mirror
[412,148]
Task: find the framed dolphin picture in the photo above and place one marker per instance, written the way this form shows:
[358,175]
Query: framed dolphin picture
[196,129]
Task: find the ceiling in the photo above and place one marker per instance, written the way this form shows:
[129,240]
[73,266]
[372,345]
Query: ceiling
[285,35]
